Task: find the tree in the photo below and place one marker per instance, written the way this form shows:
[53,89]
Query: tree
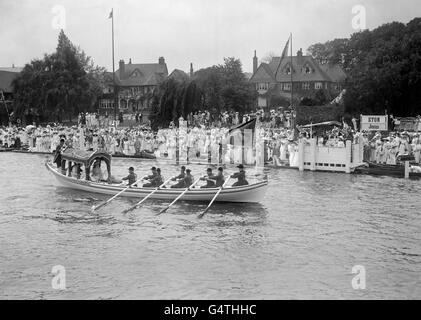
[268,57]
[237,94]
[383,68]
[63,83]
[217,88]
[331,52]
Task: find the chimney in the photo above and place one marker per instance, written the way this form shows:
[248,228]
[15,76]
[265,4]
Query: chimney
[130,61]
[13,65]
[300,55]
[191,70]
[121,69]
[161,60]
[254,62]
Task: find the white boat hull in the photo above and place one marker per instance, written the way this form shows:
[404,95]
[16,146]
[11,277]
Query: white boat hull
[249,193]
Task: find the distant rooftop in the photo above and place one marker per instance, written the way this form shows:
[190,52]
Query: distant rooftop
[11,69]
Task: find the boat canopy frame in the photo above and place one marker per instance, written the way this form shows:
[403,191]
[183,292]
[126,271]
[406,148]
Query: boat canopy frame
[85,158]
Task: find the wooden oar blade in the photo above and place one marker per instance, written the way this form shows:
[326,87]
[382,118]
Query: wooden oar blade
[213,199]
[200,216]
[128,210]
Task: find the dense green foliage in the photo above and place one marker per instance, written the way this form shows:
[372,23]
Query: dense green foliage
[383,68]
[63,83]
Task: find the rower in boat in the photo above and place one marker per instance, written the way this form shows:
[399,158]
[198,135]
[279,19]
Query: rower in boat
[132,177]
[240,176]
[155,181]
[151,178]
[185,182]
[179,178]
[210,179]
[219,178]
[181,175]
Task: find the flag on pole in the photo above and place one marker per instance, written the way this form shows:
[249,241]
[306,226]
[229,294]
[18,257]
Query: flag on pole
[111,14]
[285,52]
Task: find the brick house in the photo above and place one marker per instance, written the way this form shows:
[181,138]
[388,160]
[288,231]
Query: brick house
[135,84]
[308,76]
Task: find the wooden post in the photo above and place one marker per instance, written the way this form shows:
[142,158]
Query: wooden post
[63,167]
[209,155]
[313,150]
[348,147]
[220,154]
[242,147]
[177,149]
[300,155]
[188,151]
[406,169]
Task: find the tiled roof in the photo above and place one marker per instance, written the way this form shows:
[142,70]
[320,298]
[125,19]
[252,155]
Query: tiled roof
[335,72]
[263,73]
[144,74]
[178,74]
[278,67]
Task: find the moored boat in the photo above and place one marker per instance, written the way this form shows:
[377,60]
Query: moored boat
[248,193]
[391,170]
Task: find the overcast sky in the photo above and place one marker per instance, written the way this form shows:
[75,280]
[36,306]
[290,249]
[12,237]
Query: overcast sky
[199,31]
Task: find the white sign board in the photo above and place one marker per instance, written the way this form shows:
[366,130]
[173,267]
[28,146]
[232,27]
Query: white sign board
[374,123]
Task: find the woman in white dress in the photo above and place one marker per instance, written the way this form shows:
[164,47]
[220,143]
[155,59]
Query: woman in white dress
[416,146]
[293,155]
[283,150]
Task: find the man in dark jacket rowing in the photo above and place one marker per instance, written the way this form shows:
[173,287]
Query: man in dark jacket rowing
[151,178]
[219,178]
[181,175]
[240,176]
[210,179]
[186,182]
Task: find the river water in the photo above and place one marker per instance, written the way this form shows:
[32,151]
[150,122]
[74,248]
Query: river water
[301,242]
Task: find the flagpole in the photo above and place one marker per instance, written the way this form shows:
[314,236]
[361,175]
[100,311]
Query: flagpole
[293,113]
[115,91]
[292,88]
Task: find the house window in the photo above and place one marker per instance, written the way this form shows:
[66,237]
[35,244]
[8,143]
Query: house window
[263,86]
[288,70]
[286,86]
[307,69]
[306,85]
[337,87]
[318,85]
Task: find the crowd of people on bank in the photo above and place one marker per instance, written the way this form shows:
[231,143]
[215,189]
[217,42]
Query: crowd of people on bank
[276,118]
[196,138]
[386,149]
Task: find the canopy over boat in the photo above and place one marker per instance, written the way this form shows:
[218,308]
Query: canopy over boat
[84,158]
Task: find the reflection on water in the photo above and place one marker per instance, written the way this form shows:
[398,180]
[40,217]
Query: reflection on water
[300,242]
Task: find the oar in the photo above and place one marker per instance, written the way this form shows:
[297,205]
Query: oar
[214,198]
[113,197]
[141,201]
[182,194]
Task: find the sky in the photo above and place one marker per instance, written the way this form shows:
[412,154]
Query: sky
[201,32]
